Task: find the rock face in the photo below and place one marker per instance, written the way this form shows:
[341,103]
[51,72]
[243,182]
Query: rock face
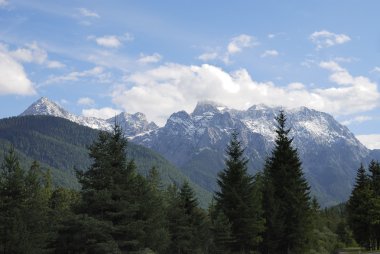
[196,143]
[133,125]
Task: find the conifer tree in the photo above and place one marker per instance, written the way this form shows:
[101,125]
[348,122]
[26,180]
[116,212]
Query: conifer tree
[221,231]
[239,200]
[359,206]
[118,200]
[23,208]
[188,224]
[286,197]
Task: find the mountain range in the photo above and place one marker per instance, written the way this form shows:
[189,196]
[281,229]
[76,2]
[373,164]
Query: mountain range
[196,142]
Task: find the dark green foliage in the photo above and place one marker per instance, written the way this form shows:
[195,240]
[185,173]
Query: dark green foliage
[359,206]
[364,207]
[239,201]
[23,207]
[374,169]
[188,224]
[117,204]
[84,234]
[221,231]
[329,229]
[286,197]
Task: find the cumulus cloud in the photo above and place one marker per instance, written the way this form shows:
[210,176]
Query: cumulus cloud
[97,73]
[88,13]
[33,53]
[147,59]
[270,53]
[371,141]
[103,113]
[325,39]
[13,79]
[112,41]
[179,87]
[86,101]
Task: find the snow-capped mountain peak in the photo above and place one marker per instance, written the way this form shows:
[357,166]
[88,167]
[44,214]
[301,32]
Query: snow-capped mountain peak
[133,124]
[44,106]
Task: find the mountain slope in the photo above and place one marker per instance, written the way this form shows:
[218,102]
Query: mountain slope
[62,145]
[196,143]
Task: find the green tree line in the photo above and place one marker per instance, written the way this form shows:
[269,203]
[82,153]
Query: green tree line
[118,210]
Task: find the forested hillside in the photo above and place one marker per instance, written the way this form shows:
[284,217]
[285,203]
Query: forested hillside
[61,145]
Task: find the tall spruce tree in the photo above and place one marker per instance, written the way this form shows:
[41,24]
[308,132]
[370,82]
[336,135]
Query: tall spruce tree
[116,202]
[286,197]
[359,206]
[239,201]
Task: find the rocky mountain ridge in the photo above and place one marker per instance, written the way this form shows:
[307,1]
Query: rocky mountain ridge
[196,142]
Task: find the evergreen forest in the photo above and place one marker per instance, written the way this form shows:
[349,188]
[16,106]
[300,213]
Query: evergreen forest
[118,209]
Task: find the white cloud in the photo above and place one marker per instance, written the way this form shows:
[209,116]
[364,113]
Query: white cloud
[296,86]
[54,64]
[325,39]
[371,141]
[178,87]
[357,119]
[96,73]
[147,59]
[13,79]
[109,41]
[270,53]
[208,56]
[103,113]
[87,13]
[112,41]
[33,53]
[238,43]
[376,69]
[86,101]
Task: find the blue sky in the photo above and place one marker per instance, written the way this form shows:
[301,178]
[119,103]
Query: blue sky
[97,58]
